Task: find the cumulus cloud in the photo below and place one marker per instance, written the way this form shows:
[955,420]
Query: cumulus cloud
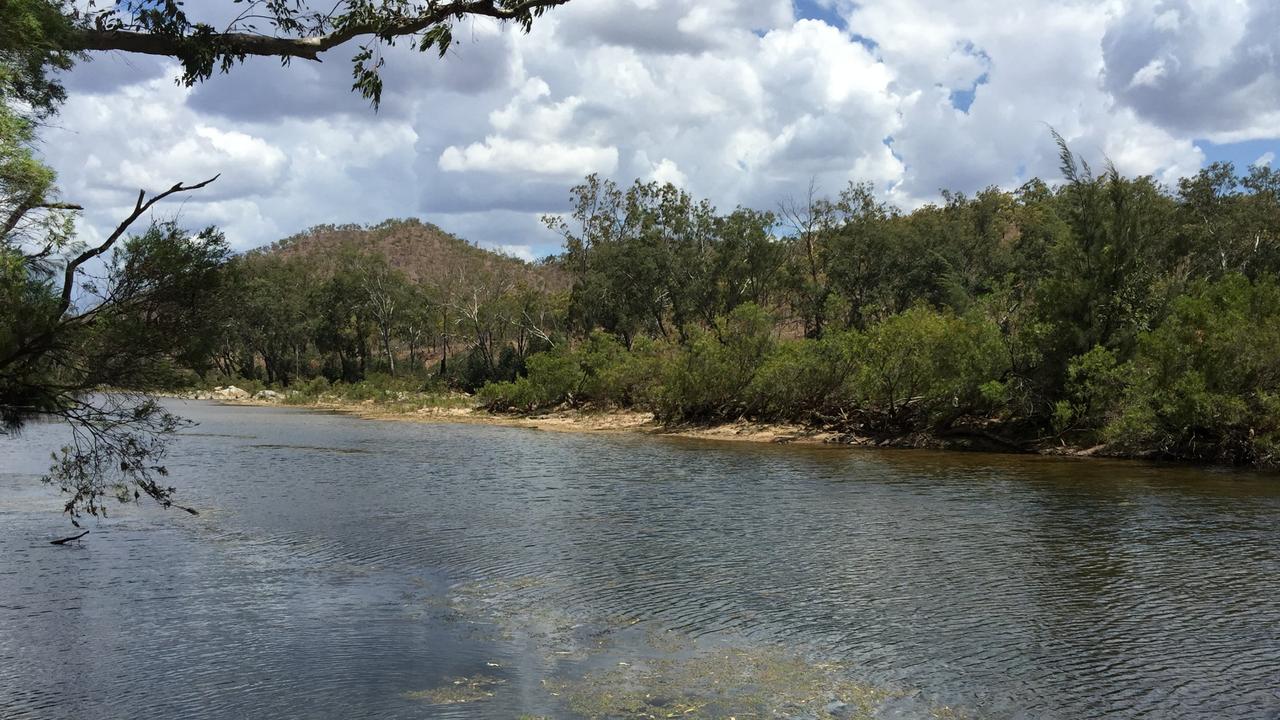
[504,155]
[742,101]
[1202,67]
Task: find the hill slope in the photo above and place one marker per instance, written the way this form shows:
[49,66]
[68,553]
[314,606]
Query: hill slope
[423,252]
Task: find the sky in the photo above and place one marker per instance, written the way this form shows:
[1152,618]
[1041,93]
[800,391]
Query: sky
[744,102]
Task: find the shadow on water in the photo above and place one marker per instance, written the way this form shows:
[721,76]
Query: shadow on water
[351,568]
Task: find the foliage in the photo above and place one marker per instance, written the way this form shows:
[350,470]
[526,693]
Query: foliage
[35,40]
[599,370]
[709,377]
[807,380]
[925,368]
[147,312]
[1038,315]
[652,260]
[1095,381]
[1106,309]
[332,303]
[1206,384]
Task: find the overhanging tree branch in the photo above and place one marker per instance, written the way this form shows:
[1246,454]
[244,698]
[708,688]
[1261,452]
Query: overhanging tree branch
[39,343]
[140,207]
[346,28]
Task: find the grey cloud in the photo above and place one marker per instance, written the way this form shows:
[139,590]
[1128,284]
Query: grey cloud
[442,192]
[1184,95]
[653,29]
[106,72]
[261,90]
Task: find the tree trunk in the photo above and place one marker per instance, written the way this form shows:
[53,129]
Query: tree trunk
[386,348]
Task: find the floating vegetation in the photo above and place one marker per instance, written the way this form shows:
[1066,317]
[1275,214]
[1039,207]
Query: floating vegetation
[735,682]
[623,668]
[460,690]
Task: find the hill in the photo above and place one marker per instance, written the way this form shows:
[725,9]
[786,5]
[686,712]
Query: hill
[425,253]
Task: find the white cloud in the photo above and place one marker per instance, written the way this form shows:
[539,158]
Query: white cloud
[666,171]
[500,155]
[1150,74]
[740,101]
[522,252]
[1265,159]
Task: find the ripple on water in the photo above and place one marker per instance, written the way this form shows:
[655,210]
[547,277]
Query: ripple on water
[1013,587]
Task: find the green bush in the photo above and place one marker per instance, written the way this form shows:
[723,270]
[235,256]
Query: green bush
[596,357]
[924,368]
[307,391]
[1204,384]
[710,376]
[503,396]
[633,378]
[554,378]
[600,370]
[1095,383]
[806,379]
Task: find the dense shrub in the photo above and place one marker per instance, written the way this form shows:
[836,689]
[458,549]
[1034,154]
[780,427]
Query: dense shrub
[709,377]
[553,378]
[1095,382]
[624,378]
[925,368]
[1206,384]
[806,379]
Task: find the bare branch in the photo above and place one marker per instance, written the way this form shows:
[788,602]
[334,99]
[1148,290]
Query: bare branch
[66,540]
[140,207]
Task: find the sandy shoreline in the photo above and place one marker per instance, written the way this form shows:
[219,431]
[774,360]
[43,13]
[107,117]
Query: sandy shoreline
[614,421]
[584,421]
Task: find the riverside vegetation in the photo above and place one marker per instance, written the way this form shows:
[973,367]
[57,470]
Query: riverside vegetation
[1104,311]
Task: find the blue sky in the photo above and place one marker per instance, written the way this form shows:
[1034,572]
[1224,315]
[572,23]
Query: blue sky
[1242,154]
[817,11]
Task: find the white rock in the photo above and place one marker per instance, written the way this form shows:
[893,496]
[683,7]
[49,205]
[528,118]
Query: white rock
[230,392]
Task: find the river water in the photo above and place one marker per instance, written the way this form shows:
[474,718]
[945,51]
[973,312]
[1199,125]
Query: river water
[324,575]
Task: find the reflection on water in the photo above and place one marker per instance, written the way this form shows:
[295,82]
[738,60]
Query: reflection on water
[312,584]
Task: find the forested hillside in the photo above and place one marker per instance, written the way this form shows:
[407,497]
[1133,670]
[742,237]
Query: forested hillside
[422,252]
[341,302]
[1104,309]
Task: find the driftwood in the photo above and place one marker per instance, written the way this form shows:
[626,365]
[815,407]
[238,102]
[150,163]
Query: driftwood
[66,540]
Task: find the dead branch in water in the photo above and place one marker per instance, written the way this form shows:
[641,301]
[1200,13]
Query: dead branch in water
[66,540]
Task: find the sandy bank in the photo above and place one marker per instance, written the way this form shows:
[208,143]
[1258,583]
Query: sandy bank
[592,421]
[412,409]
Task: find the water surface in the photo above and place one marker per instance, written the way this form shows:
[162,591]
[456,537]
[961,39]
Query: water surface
[317,581]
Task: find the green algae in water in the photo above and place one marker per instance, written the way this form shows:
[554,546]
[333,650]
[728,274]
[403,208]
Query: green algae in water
[728,682]
[460,690]
[623,668]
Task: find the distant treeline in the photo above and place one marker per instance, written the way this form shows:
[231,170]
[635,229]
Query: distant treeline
[1103,310]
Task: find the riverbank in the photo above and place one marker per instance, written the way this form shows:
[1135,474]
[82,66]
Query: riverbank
[462,408]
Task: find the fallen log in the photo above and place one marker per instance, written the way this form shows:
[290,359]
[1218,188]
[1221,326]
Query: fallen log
[66,540]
